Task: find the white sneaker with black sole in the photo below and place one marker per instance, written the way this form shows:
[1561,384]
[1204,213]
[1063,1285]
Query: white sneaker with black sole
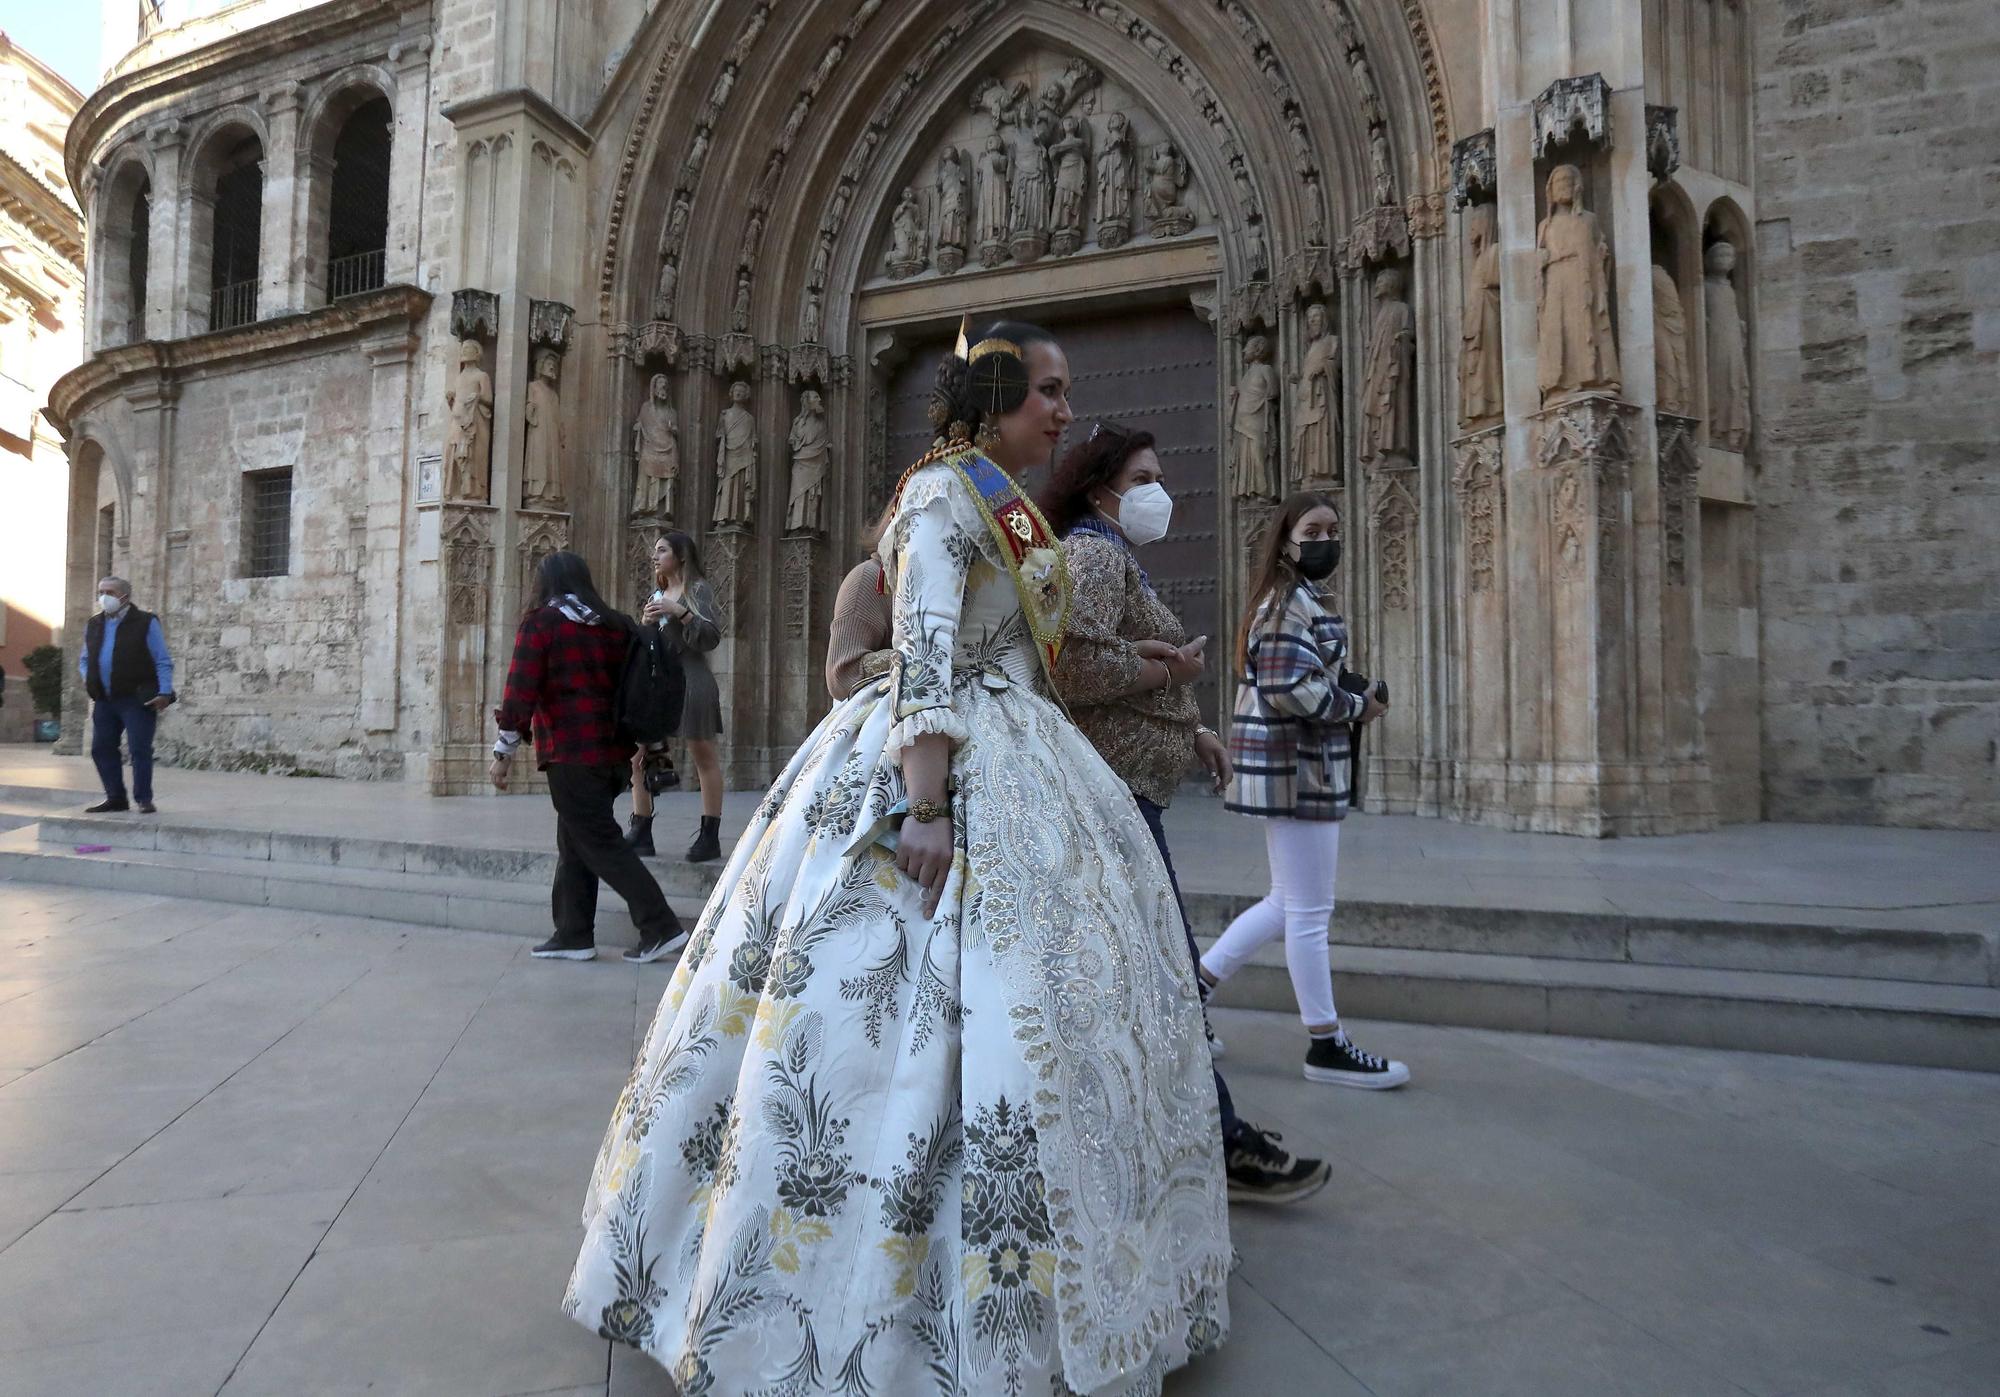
[1205,989]
[1337,1062]
[655,948]
[556,949]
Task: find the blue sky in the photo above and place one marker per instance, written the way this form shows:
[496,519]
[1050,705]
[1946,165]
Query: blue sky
[62,33]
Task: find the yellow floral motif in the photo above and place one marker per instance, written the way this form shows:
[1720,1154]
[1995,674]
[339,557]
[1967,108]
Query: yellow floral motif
[909,1254]
[621,1166]
[788,1234]
[978,1269]
[736,1009]
[773,1018]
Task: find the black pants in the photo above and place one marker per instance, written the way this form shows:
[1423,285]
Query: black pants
[590,846]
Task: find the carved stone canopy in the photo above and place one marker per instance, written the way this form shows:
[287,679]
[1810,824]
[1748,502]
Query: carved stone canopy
[550,324]
[660,340]
[1663,141]
[475,314]
[1379,235]
[1475,167]
[1573,108]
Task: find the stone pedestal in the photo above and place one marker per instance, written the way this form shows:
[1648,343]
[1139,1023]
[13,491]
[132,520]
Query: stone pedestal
[465,576]
[804,614]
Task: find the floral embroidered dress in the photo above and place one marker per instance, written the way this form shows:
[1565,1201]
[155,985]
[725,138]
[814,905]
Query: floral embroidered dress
[871,1154]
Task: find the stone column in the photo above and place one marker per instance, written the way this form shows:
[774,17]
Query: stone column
[389,447]
[466,581]
[411,60]
[282,226]
[167,287]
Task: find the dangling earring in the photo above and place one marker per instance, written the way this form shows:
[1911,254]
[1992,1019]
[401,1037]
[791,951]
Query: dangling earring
[987,438]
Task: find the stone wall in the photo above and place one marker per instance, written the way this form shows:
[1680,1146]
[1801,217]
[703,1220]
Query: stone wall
[1878,384]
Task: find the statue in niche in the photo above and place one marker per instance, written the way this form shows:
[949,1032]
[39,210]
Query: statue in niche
[1386,392]
[1252,472]
[656,442]
[697,155]
[739,310]
[1670,346]
[809,319]
[468,443]
[1364,87]
[821,258]
[542,459]
[1114,182]
[1384,174]
[1166,177]
[906,237]
[1030,199]
[810,452]
[1479,331]
[1575,351]
[1316,404]
[1071,153]
[1728,364]
[954,212]
[665,290]
[677,222]
[736,459]
[994,223]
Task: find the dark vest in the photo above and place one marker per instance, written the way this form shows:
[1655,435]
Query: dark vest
[132,671]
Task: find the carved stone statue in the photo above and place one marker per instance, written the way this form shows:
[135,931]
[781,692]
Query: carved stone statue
[1030,199]
[994,223]
[468,442]
[739,311]
[954,211]
[1071,153]
[656,442]
[1479,386]
[1253,474]
[542,460]
[1575,350]
[677,222]
[809,319]
[810,451]
[1728,365]
[906,237]
[736,459]
[1114,182]
[1316,404]
[1387,393]
[1166,177]
[1364,87]
[1381,171]
[1670,344]
[664,291]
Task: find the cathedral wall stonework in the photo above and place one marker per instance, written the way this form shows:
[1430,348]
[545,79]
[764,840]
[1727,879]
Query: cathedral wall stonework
[1878,506]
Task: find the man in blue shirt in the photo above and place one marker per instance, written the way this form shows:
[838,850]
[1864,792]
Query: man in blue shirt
[130,677]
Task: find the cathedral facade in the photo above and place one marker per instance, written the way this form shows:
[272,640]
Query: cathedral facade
[389,298]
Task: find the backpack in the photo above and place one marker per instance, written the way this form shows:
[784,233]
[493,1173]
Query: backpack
[652,689]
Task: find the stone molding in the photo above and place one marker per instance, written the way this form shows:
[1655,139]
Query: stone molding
[496,107]
[1482,504]
[1586,451]
[1571,107]
[1680,475]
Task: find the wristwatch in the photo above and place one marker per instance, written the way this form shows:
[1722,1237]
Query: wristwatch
[924,811]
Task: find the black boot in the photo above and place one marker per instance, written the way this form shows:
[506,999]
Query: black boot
[708,844]
[639,837]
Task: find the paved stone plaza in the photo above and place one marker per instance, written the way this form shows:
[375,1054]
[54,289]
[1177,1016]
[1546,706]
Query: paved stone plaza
[256,1151]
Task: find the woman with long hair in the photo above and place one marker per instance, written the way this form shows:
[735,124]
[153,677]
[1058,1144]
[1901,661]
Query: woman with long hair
[683,606]
[1126,672]
[562,694]
[1289,739]
[926,1107]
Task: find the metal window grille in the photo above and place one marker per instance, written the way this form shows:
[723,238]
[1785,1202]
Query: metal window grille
[233,305]
[350,276]
[267,514]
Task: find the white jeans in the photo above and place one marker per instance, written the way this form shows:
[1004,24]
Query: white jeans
[1304,857]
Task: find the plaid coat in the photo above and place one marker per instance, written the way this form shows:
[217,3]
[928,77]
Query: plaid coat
[1289,737]
[564,678]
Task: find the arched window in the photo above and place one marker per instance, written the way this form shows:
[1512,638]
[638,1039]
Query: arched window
[228,187]
[121,235]
[348,203]
[137,247]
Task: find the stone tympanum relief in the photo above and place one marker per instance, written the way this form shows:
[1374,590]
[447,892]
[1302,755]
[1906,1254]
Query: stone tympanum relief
[1049,158]
[468,443]
[1728,364]
[1670,344]
[1316,404]
[1388,391]
[1479,352]
[810,453]
[1575,350]
[736,459]
[1253,471]
[542,459]
[656,444]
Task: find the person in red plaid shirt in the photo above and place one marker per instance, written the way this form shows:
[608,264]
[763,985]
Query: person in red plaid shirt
[569,656]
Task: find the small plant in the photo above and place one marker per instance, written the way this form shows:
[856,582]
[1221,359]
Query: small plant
[45,679]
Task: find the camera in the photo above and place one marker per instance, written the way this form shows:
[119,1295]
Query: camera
[1361,684]
[660,773]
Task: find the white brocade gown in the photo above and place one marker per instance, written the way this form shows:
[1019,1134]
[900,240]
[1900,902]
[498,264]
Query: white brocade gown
[867,1154]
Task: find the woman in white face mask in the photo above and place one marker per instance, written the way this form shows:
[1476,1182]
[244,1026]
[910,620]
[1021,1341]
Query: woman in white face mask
[1127,674]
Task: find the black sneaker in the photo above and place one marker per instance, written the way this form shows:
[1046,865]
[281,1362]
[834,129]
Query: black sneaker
[106,807]
[1337,1062]
[1262,1172]
[555,948]
[652,948]
[146,807]
[707,844]
[1206,990]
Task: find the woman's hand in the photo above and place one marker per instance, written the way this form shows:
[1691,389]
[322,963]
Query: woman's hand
[1186,664]
[1371,708]
[654,610]
[924,854]
[1154,650]
[1214,758]
[496,772]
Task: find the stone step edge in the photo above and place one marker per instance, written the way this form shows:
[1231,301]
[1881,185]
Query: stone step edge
[1936,957]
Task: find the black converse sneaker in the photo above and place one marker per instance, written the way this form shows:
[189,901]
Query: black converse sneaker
[1261,1171]
[1205,989]
[652,948]
[1337,1062]
[555,948]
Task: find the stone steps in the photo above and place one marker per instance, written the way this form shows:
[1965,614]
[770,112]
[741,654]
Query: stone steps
[1918,998]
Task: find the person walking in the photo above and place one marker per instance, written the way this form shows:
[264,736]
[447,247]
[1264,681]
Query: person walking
[683,606]
[562,691]
[1126,673]
[1289,741]
[129,676]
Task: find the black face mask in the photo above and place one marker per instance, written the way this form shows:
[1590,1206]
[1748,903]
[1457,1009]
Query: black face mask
[1318,558]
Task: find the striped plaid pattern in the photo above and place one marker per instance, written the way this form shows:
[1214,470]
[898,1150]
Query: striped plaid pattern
[1288,737]
[564,679]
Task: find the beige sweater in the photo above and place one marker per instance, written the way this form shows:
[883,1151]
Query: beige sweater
[857,647]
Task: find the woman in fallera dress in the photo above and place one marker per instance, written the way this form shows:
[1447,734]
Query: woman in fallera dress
[927,1107]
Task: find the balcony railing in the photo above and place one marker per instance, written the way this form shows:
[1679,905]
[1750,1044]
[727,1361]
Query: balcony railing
[354,274]
[232,305]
